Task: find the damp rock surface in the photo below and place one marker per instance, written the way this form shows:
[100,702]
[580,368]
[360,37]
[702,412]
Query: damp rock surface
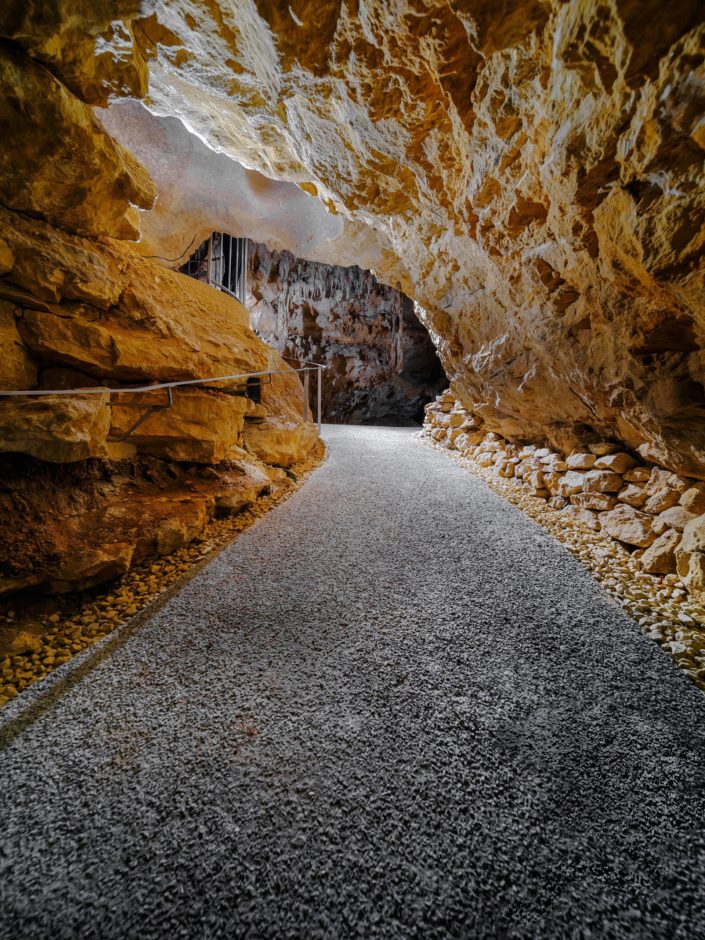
[390,707]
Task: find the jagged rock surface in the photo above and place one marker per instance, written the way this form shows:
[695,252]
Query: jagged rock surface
[381,366]
[85,491]
[533,171]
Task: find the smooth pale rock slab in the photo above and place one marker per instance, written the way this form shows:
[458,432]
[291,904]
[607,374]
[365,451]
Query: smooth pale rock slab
[628,525]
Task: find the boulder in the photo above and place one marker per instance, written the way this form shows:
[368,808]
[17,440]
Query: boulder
[56,428]
[86,567]
[633,495]
[694,535]
[602,481]
[627,524]
[674,518]
[580,461]
[201,426]
[602,448]
[693,499]
[617,463]
[597,501]
[572,482]
[660,556]
[661,500]
[690,567]
[637,475]
[557,502]
[585,517]
[280,442]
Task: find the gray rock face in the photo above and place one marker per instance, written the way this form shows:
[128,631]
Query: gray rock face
[381,366]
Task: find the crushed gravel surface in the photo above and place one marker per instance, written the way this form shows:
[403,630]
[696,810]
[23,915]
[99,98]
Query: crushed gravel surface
[393,707]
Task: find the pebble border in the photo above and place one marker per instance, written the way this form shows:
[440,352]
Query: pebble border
[659,603]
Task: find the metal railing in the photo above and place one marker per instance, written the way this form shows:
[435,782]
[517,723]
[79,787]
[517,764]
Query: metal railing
[156,386]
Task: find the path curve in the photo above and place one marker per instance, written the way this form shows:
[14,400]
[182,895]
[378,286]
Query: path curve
[393,707]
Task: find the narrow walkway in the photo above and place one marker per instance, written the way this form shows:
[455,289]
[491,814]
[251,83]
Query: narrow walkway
[394,707]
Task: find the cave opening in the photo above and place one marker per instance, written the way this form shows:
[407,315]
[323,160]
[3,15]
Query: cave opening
[381,366]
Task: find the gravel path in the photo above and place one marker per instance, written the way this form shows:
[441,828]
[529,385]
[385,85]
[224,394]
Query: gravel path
[393,707]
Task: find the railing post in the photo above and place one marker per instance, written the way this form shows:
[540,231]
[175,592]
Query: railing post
[318,393]
[306,384]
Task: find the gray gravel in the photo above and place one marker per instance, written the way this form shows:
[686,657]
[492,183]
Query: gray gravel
[394,707]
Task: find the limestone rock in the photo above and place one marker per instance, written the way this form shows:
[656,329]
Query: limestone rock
[691,570]
[90,47]
[638,475]
[660,556]
[578,236]
[602,481]
[674,518]
[572,482]
[633,495]
[280,442]
[603,448]
[17,368]
[585,517]
[618,463]
[56,428]
[628,525]
[84,568]
[694,535]
[62,165]
[597,501]
[380,362]
[693,500]
[580,461]
[201,426]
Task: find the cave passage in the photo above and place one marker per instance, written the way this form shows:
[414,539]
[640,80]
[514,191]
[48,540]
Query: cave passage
[393,707]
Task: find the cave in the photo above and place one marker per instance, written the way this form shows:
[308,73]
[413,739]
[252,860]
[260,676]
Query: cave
[352,468]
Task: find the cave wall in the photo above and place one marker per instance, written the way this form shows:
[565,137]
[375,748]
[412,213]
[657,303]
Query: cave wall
[531,173]
[84,491]
[380,364]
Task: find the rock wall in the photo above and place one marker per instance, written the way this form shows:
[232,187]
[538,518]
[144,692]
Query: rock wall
[531,174]
[86,490]
[381,366]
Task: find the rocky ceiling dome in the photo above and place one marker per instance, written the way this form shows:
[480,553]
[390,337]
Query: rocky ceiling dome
[530,172]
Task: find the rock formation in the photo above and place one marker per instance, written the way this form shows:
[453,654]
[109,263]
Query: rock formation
[530,173]
[92,482]
[381,366]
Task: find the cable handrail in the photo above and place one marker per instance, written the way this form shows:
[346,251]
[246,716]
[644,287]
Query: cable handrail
[100,390]
[156,386]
